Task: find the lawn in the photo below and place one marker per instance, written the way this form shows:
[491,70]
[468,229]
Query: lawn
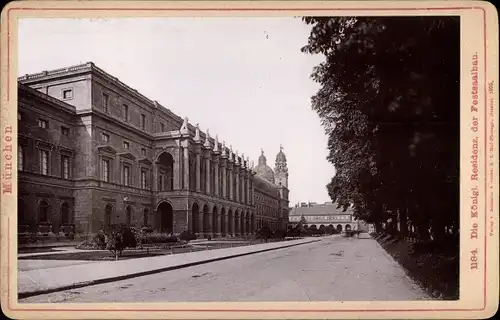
[435,267]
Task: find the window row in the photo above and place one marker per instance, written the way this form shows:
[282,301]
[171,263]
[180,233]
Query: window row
[126,144]
[44,163]
[125,111]
[43,123]
[44,212]
[126,174]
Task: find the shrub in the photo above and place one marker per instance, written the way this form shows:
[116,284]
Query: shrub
[279,234]
[187,236]
[119,237]
[147,230]
[156,237]
[264,233]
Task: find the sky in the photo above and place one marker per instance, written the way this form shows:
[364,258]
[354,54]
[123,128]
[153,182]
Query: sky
[244,79]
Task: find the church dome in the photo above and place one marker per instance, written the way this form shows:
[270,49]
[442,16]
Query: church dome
[280,157]
[264,170]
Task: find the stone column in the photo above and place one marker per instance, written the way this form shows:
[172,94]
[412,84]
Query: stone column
[198,170]
[219,227]
[249,202]
[207,168]
[224,180]
[216,174]
[177,168]
[154,187]
[186,165]
[237,177]
[231,194]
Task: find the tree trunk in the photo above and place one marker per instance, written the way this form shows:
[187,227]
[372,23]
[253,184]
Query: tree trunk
[403,228]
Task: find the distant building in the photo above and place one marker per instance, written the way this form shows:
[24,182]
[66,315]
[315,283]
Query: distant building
[323,215]
[271,192]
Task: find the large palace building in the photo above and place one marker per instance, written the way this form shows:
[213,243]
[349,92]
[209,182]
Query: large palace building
[93,152]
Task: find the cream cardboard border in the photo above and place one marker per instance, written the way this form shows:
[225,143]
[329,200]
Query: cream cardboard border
[479,289]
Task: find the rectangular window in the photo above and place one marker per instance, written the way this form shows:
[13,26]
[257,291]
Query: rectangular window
[143,179]
[67,93]
[43,123]
[105,101]
[105,170]
[126,145]
[44,162]
[143,152]
[143,122]
[125,113]
[64,131]
[162,127]
[65,167]
[126,175]
[105,137]
[20,158]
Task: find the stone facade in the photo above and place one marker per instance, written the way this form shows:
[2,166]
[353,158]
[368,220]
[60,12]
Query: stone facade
[94,152]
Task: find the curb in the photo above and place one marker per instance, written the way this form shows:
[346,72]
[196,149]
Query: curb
[22,295]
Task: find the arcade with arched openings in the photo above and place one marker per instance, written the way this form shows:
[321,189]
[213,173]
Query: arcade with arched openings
[206,220]
[215,224]
[223,224]
[195,218]
[165,217]
[230,222]
[165,171]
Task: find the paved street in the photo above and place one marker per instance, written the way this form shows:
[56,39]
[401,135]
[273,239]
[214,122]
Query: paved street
[336,268]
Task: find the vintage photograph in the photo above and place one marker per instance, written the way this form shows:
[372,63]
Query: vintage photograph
[233,159]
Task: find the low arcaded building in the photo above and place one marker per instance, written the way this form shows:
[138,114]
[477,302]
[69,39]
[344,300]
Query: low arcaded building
[323,215]
[94,152]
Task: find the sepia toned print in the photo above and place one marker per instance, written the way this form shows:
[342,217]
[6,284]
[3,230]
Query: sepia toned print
[295,161]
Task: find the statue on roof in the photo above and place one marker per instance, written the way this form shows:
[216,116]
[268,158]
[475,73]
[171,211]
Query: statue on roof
[184,128]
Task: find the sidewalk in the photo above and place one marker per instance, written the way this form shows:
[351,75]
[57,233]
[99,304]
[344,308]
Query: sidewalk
[41,281]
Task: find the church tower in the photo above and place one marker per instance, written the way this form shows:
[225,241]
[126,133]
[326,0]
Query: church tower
[281,170]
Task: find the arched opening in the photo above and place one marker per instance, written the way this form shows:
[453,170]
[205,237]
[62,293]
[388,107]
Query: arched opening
[348,227]
[339,227]
[215,225]
[322,228]
[223,221]
[166,217]
[247,223]
[206,220]
[242,223]
[330,229]
[145,218]
[44,212]
[165,167]
[128,212]
[195,218]
[236,222]
[230,222]
[252,230]
[65,214]
[21,217]
[108,211]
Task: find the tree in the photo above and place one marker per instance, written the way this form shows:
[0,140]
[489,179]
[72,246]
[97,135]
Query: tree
[119,237]
[389,103]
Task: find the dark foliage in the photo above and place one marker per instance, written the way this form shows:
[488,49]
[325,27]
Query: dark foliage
[118,237]
[187,236]
[389,102]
